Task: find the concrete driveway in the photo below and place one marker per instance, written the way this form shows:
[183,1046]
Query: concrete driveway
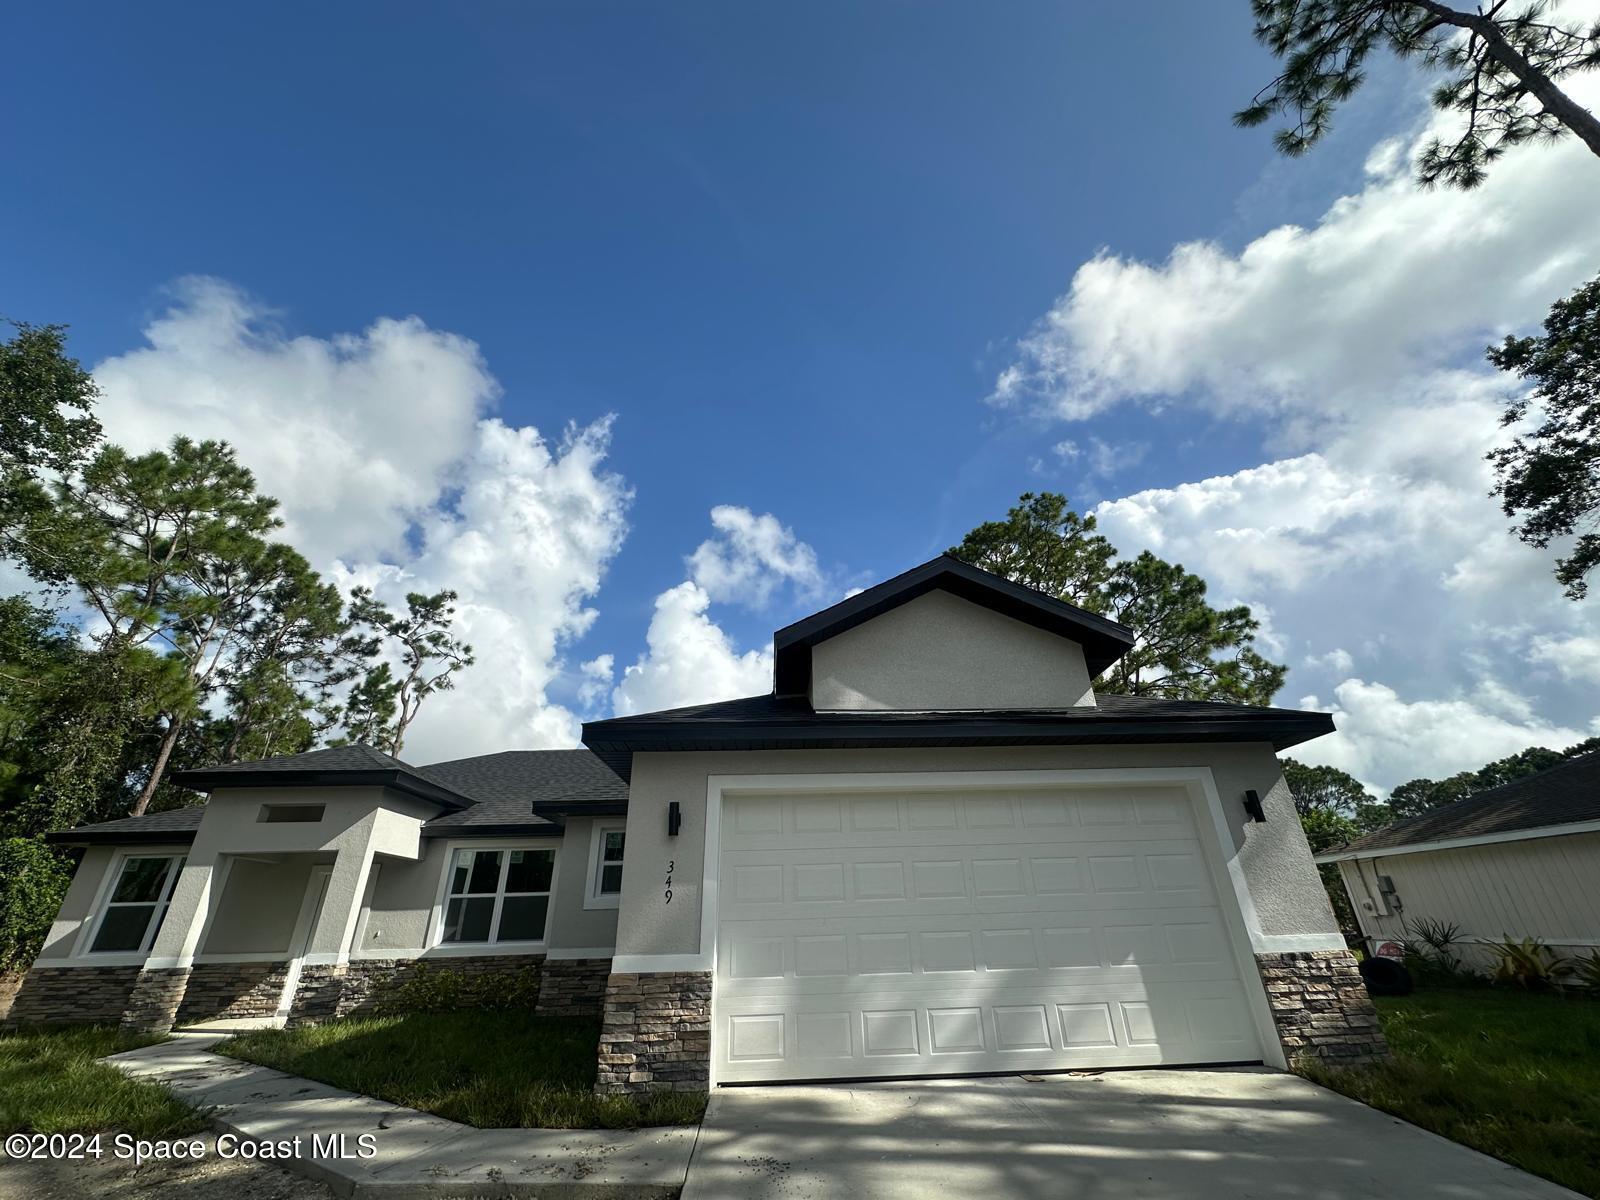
[1146,1135]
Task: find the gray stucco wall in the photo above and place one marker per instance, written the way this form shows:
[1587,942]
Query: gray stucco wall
[1275,859]
[75,908]
[404,896]
[942,652]
[573,926]
[259,907]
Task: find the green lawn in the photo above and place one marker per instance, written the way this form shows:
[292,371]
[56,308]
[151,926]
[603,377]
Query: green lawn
[1512,1074]
[495,1070]
[50,1083]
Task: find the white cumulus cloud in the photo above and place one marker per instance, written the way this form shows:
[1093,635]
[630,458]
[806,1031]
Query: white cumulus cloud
[392,472]
[1354,348]
[689,658]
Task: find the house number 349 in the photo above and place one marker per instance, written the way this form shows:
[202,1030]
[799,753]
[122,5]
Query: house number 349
[672,864]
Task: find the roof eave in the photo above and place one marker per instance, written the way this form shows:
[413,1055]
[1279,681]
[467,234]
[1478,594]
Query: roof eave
[400,781]
[125,837]
[617,750]
[472,832]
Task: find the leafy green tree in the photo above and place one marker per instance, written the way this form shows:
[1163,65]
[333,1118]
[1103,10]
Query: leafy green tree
[33,882]
[1548,479]
[47,421]
[369,710]
[1498,66]
[171,551]
[1185,648]
[1044,545]
[47,424]
[385,702]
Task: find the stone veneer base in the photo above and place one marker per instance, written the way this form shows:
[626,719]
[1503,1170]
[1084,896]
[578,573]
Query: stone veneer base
[656,1034]
[1321,1008]
[573,987]
[157,994]
[226,991]
[328,992]
[67,995]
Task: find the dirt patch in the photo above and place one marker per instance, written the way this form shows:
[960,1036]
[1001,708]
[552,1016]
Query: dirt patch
[210,1179]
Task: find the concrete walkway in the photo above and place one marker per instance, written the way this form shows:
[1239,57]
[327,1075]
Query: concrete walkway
[417,1154]
[1230,1134]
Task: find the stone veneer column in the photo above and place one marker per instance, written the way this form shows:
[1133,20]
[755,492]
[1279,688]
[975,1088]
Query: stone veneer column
[153,1003]
[656,1034]
[1321,1007]
[573,987]
[318,996]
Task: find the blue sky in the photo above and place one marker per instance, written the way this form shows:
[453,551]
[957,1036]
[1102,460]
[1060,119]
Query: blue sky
[792,250]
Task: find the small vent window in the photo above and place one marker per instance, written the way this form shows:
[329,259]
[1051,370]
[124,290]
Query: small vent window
[286,814]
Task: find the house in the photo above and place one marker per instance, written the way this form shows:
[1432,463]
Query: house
[933,849]
[1520,860]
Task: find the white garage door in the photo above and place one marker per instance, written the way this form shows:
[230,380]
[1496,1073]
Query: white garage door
[940,933]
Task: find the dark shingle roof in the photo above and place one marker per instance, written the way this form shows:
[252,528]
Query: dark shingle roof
[495,794]
[509,785]
[355,757]
[174,825]
[789,722]
[336,766]
[1564,794]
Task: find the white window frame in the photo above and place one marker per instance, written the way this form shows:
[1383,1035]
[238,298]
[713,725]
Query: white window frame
[437,946]
[176,860]
[593,897]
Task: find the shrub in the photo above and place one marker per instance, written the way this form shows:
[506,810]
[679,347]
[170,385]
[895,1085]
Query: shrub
[1528,964]
[434,987]
[1430,952]
[1587,971]
[33,879]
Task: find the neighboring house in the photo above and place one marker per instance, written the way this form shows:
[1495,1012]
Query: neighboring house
[1520,860]
[933,849]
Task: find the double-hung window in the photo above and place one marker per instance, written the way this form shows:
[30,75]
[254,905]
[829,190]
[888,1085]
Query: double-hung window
[138,903]
[497,896]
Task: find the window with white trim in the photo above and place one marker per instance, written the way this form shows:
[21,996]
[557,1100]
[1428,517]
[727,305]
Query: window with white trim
[138,903]
[500,895]
[605,865]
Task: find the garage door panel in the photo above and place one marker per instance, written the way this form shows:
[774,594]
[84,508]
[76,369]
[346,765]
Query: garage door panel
[883,934]
[1006,1031]
[1021,940]
[979,878]
[912,819]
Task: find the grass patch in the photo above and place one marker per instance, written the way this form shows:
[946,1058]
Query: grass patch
[51,1083]
[1512,1074]
[494,1070]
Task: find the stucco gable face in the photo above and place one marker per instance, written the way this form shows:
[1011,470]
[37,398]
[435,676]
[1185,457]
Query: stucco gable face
[940,652]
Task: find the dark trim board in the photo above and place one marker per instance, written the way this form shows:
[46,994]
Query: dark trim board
[395,780]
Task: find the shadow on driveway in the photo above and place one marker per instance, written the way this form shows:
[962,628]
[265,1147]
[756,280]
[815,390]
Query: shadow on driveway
[1233,1134]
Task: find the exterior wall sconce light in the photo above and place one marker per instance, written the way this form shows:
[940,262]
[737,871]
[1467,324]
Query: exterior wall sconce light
[674,818]
[1252,805]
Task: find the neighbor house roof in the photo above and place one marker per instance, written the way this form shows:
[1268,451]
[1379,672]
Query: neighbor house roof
[1103,641]
[1552,801]
[514,793]
[790,723]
